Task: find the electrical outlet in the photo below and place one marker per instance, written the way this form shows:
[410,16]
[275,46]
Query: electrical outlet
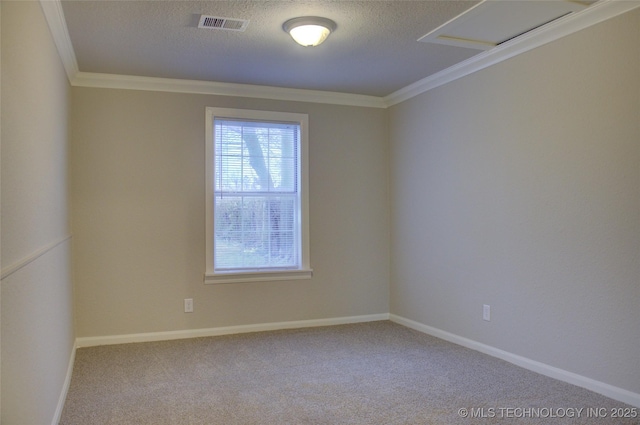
[188,305]
[486,312]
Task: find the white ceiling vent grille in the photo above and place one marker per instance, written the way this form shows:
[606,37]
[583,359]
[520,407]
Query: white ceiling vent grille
[220,23]
[493,22]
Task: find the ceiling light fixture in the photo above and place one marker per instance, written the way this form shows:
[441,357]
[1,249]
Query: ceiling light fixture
[309,30]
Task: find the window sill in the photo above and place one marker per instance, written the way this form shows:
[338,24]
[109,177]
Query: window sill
[259,276]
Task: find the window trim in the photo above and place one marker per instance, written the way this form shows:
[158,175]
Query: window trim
[257,275]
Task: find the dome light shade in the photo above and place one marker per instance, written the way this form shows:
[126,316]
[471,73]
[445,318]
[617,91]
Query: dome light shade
[309,30]
[309,35]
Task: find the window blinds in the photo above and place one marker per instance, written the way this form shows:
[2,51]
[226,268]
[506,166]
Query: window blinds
[256,199]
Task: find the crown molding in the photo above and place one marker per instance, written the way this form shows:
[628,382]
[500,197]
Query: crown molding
[596,13]
[54,16]
[130,82]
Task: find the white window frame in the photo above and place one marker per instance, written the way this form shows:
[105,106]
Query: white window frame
[305,271]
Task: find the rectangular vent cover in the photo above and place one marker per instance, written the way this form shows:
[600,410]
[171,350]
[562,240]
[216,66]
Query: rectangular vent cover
[220,23]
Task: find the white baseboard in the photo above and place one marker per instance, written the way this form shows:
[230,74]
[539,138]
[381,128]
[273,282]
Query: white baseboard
[228,330]
[610,391]
[65,388]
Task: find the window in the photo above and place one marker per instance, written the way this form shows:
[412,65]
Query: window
[257,204]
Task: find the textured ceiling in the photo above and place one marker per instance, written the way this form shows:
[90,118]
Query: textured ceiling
[374,50]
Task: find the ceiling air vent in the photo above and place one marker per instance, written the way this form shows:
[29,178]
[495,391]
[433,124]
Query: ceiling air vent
[219,23]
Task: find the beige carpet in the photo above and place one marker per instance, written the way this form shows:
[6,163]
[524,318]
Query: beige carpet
[371,373]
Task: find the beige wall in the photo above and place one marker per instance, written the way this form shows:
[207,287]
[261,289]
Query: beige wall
[518,187]
[37,302]
[138,216]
